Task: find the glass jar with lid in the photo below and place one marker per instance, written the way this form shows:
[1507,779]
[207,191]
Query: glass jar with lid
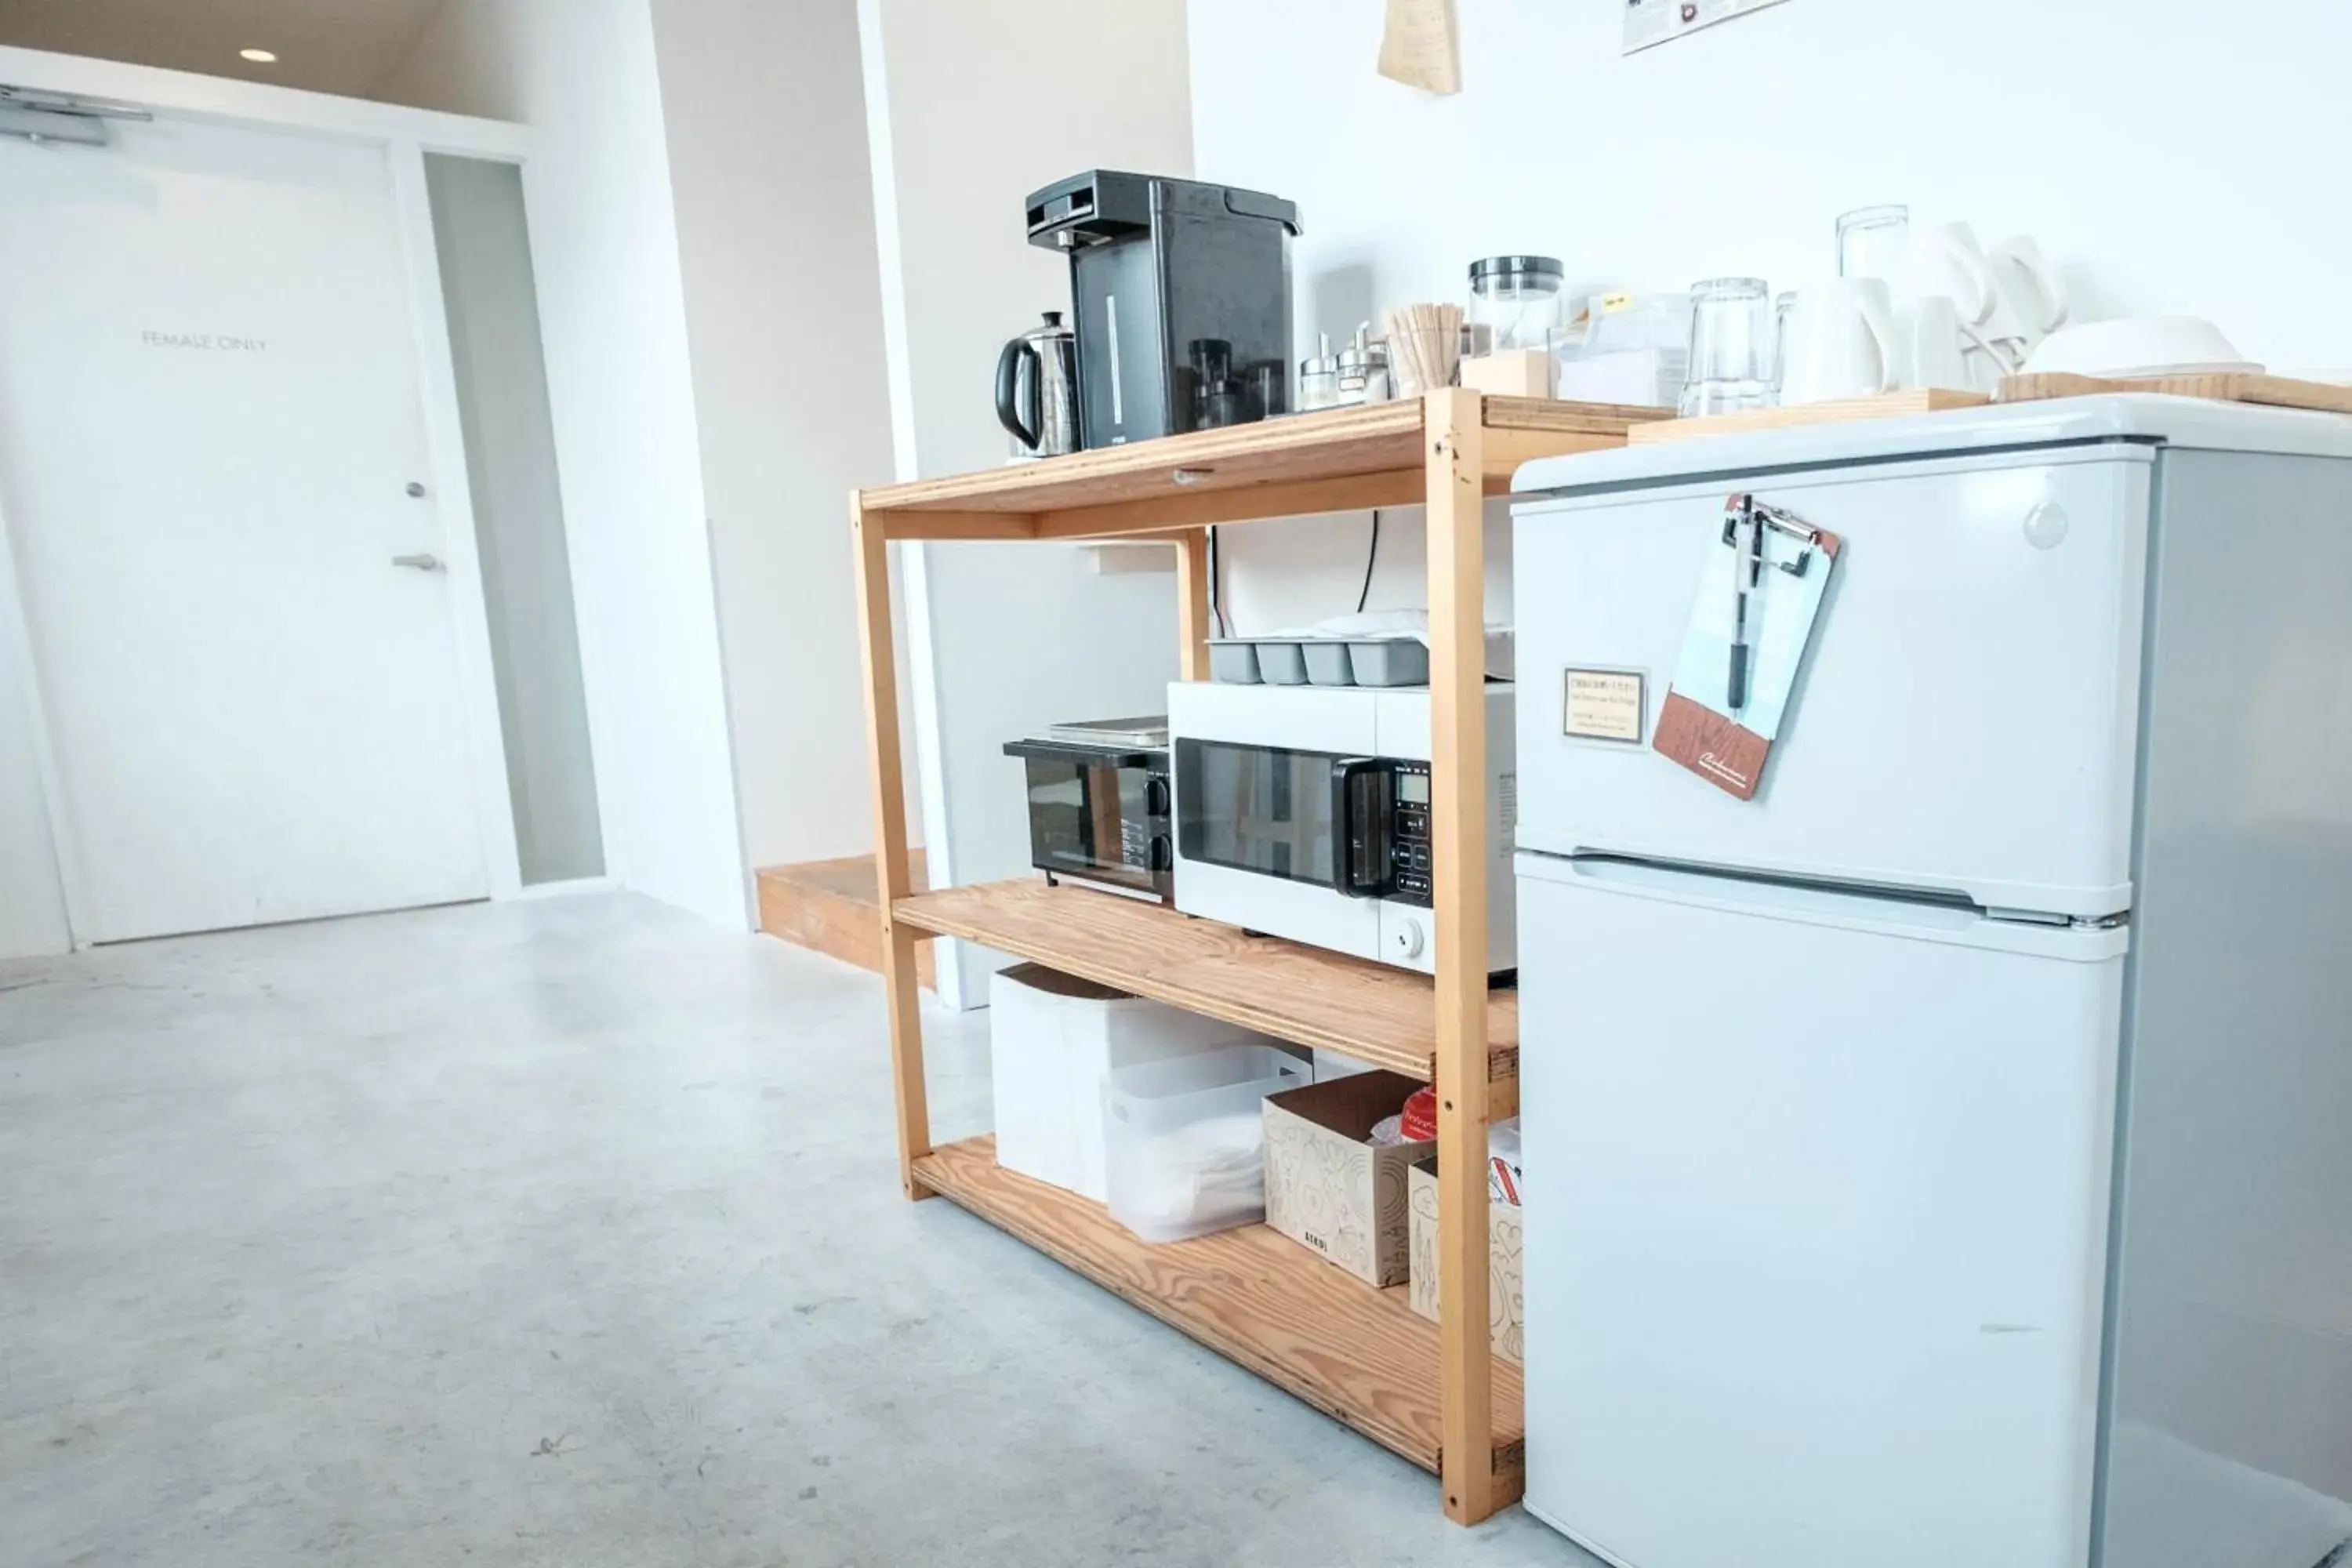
[1319,377]
[1515,301]
[1363,368]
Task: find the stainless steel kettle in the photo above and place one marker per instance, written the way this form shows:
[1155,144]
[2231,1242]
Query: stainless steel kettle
[1037,390]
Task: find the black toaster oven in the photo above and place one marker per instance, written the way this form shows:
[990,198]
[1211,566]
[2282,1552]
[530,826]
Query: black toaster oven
[1100,811]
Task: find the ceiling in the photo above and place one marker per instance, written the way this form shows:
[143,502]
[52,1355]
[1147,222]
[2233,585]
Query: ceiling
[348,47]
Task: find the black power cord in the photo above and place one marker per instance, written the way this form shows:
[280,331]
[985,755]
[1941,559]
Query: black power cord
[1217,578]
[1217,585]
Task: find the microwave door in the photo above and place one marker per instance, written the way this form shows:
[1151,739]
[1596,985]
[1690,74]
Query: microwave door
[1257,808]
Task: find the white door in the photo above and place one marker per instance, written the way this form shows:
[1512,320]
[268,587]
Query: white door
[210,418]
[1816,1222]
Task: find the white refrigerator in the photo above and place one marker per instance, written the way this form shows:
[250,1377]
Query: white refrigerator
[1944,1159]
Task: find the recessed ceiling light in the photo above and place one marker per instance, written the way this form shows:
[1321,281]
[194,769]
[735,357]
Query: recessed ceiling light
[259,57]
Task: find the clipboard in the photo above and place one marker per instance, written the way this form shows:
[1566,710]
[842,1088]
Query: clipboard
[1758,607]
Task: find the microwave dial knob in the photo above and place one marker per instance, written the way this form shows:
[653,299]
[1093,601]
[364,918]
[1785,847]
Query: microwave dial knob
[1155,797]
[1407,937]
[1163,853]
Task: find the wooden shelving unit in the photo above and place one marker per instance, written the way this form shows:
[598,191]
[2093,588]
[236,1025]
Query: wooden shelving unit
[1374,1013]
[1357,1355]
[1434,1393]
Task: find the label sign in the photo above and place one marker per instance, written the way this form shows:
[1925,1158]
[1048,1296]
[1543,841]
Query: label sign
[213,343]
[1606,705]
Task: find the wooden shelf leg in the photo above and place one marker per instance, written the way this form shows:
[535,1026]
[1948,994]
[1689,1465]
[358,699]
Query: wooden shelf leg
[880,660]
[1455,430]
[1192,628]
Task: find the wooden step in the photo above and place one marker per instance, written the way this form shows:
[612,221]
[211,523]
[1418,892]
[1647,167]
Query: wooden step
[834,907]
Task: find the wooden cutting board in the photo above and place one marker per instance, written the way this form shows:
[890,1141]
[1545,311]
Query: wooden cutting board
[2276,391]
[1884,405]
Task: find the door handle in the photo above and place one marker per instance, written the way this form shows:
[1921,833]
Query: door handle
[420,562]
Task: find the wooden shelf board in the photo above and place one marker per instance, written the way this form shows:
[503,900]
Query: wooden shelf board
[1357,1355]
[1340,458]
[1880,406]
[2278,391]
[1372,1012]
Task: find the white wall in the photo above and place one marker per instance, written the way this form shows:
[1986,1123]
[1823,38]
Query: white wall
[583,74]
[765,113]
[972,104]
[32,898]
[1734,150]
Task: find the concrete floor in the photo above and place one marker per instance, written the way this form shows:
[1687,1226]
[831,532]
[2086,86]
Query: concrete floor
[568,1232]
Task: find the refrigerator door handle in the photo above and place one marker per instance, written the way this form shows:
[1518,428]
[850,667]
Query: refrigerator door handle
[1925,915]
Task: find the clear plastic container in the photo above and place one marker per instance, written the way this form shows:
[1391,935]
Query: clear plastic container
[1185,1140]
[1515,302]
[1636,350]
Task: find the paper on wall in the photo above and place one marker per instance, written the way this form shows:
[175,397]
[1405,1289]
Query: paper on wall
[1651,22]
[1418,47]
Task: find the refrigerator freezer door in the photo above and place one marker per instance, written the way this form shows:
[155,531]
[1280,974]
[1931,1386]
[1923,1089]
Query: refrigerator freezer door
[1816,1221]
[1966,720]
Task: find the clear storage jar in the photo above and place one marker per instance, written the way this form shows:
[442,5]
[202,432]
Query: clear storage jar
[1515,302]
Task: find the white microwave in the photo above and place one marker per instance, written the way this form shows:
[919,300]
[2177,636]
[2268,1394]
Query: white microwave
[1303,812]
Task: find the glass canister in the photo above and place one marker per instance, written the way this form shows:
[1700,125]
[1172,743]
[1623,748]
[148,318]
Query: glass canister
[1363,368]
[1515,301]
[1319,378]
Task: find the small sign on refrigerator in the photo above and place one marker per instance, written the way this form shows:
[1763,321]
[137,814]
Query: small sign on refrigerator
[1604,705]
[1651,22]
[1759,599]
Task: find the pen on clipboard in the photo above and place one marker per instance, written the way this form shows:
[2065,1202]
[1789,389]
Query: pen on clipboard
[1746,576]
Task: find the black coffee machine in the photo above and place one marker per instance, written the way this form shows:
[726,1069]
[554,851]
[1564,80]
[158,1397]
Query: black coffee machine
[1181,294]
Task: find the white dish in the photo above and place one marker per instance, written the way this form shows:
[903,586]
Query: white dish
[2217,367]
[2138,345]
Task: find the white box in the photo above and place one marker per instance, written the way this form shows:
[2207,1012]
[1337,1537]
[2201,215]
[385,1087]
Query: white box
[1053,1041]
[1329,1064]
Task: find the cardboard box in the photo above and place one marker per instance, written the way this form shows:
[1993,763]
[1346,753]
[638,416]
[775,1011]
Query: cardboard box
[1052,1040]
[1505,1243]
[1327,1188]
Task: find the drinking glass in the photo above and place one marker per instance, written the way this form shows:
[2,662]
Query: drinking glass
[1782,308]
[1730,347]
[1875,242]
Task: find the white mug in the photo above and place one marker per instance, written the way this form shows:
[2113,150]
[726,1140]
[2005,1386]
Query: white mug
[1947,260]
[1938,354]
[1842,342]
[2031,293]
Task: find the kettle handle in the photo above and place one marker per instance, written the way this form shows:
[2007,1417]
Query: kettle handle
[1008,398]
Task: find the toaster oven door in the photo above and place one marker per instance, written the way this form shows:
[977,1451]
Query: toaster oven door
[1100,820]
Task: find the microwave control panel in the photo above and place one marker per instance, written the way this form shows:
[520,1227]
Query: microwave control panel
[1409,840]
